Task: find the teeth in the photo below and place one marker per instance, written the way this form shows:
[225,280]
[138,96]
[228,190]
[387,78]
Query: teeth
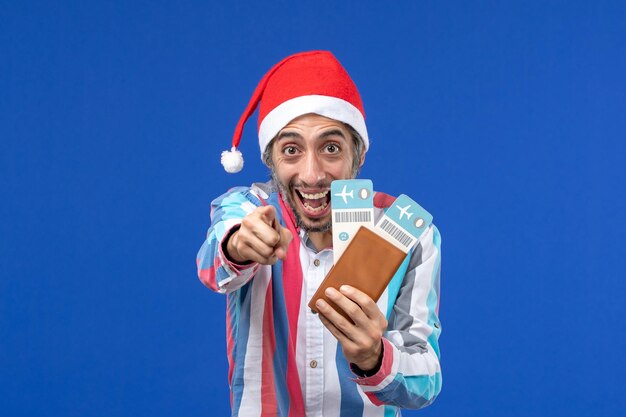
[315,209]
[314,196]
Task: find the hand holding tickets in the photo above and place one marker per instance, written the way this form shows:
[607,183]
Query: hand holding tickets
[373,255]
[368,264]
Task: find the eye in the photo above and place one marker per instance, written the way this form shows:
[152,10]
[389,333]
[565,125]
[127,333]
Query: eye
[332,148]
[290,150]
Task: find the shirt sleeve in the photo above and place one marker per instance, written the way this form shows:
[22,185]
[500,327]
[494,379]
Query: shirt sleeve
[410,372]
[216,271]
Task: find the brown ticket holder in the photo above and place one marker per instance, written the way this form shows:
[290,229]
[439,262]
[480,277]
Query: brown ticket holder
[368,264]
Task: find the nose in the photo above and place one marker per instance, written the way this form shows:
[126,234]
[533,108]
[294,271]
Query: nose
[313,170]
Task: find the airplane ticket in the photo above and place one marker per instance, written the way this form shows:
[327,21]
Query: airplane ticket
[352,203]
[403,223]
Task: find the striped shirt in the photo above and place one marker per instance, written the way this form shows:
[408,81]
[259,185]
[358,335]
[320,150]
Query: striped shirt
[282,360]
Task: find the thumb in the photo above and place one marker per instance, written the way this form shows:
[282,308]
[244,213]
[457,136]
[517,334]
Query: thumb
[283,244]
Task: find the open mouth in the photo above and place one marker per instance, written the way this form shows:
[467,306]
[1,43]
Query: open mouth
[314,204]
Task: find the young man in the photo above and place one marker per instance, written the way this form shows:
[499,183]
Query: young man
[270,246]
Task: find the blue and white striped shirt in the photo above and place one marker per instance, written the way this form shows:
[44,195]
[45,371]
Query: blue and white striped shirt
[283,362]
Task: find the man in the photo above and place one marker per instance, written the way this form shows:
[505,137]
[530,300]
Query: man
[270,246]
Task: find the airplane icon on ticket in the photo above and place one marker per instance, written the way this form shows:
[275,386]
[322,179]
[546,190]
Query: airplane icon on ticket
[343,194]
[404,211]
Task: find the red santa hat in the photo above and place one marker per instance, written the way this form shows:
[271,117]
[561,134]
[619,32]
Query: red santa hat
[307,82]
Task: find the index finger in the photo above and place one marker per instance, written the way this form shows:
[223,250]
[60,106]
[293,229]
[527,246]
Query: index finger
[268,214]
[363,300]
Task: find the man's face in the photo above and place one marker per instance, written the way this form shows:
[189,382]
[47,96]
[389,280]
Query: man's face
[307,155]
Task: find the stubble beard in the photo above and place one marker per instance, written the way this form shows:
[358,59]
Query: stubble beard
[287,196]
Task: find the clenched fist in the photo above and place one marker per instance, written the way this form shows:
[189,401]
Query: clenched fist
[260,238]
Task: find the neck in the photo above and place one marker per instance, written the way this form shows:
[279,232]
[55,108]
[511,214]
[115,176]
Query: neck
[321,240]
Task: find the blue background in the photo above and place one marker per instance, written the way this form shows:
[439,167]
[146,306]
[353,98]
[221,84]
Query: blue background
[506,120]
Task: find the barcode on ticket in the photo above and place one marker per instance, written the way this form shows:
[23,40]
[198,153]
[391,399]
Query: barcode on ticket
[353,216]
[403,238]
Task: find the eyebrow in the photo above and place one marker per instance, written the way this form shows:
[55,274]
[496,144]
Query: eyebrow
[288,135]
[334,132]
[295,135]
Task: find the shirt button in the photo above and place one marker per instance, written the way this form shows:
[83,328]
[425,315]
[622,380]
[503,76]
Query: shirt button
[316,262]
[313,363]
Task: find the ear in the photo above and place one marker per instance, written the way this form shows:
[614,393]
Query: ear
[362,158]
[268,155]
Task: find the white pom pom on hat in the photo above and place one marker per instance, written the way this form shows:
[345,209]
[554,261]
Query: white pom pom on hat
[232,160]
[303,83]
